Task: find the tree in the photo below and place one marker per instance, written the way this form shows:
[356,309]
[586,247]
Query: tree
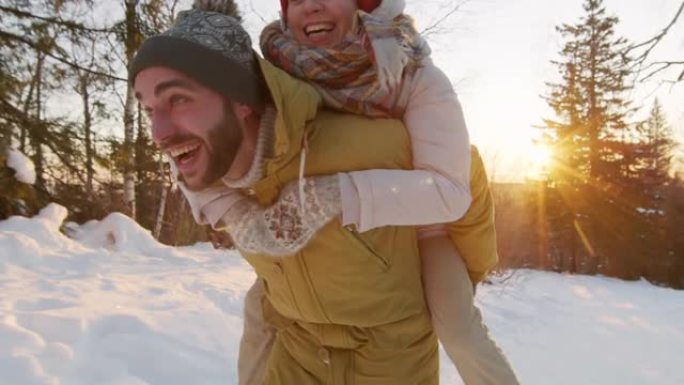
[55,51]
[592,139]
[657,153]
[36,72]
[651,188]
[132,42]
[590,104]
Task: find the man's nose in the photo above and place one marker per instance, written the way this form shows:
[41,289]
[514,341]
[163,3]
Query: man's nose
[162,127]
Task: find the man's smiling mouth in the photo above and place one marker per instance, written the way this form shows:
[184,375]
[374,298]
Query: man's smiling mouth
[183,154]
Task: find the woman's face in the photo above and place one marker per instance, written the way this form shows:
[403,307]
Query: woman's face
[321,23]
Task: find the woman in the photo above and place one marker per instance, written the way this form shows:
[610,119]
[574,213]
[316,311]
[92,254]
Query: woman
[350,52]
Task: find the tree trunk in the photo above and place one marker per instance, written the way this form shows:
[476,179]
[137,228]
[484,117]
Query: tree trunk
[36,134]
[542,227]
[159,222]
[27,110]
[139,159]
[132,43]
[87,130]
[160,215]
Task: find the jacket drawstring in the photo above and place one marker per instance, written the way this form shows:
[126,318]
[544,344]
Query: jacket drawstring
[302,164]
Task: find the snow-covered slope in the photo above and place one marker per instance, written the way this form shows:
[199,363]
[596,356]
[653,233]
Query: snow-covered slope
[111,306]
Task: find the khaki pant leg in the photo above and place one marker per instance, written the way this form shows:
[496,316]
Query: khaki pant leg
[404,353]
[414,362]
[298,358]
[257,339]
[285,369]
[457,322]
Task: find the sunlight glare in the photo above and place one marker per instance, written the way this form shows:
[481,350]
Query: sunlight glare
[541,156]
[540,159]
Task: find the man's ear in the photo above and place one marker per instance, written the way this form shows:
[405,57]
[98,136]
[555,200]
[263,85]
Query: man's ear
[243,111]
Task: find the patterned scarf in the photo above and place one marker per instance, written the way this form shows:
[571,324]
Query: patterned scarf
[347,75]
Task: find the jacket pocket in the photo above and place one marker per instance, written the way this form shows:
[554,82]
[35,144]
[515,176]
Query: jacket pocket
[364,244]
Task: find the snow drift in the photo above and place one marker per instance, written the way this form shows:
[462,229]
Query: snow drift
[109,305]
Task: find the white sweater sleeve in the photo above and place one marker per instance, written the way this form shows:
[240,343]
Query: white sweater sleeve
[438,190]
[281,229]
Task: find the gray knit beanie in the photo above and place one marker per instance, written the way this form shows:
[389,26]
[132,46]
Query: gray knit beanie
[208,44]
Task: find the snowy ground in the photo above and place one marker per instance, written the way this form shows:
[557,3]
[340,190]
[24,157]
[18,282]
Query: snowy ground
[111,306]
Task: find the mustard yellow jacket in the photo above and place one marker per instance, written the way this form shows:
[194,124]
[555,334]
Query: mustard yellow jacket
[341,276]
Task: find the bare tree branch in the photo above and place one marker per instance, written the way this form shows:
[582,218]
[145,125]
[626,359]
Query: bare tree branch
[53,20]
[436,26]
[650,45]
[255,12]
[653,42]
[661,66]
[36,46]
[172,7]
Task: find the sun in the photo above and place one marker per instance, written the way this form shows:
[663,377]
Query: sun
[541,156]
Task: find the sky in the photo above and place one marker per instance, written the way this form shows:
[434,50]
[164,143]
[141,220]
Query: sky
[107,304]
[497,54]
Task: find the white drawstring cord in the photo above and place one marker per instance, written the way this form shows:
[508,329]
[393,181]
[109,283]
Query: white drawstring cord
[302,164]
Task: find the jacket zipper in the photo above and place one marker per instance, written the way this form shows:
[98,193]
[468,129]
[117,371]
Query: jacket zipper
[355,234]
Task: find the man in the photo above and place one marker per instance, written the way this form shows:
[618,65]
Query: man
[348,307]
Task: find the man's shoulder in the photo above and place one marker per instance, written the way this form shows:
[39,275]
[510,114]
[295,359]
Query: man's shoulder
[327,115]
[342,127]
[286,90]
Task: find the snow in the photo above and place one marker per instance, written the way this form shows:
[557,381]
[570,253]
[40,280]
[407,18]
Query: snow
[23,167]
[647,211]
[109,305]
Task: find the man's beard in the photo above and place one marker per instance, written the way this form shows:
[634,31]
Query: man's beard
[222,144]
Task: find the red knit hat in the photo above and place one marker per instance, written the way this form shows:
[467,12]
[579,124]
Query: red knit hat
[364,5]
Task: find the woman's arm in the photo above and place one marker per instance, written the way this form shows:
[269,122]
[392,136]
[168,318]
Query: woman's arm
[438,190]
[280,229]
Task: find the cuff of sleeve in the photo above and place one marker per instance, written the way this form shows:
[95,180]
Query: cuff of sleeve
[212,213]
[351,205]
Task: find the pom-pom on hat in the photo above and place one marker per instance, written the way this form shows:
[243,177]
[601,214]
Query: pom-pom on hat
[364,5]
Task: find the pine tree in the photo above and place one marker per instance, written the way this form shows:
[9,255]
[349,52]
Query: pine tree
[651,189]
[592,139]
[657,152]
[590,128]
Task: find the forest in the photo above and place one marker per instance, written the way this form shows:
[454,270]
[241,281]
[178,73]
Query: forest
[611,201]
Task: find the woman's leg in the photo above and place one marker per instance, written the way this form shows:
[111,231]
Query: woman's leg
[456,320]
